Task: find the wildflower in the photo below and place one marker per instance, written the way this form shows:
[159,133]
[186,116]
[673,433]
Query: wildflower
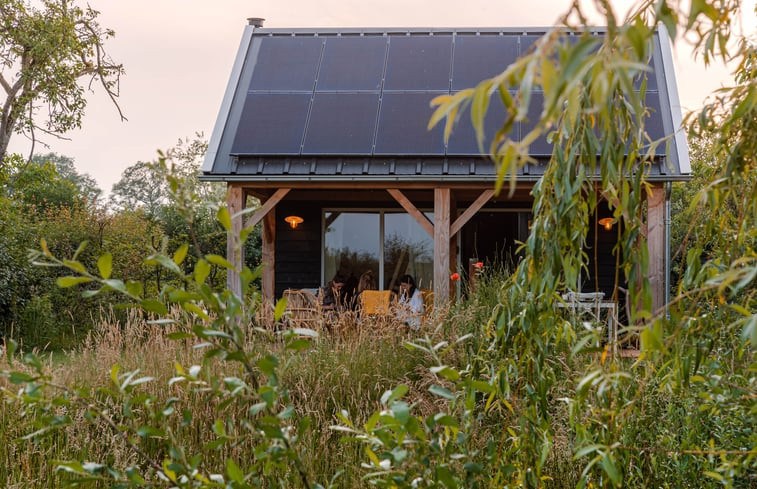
[455,276]
[479,265]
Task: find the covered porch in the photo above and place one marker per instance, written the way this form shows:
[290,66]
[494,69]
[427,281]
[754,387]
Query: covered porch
[427,230]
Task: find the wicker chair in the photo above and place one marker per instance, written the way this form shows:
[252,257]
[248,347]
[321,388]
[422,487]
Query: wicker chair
[303,309]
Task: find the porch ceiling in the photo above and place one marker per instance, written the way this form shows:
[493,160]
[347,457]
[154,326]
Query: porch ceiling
[379,197]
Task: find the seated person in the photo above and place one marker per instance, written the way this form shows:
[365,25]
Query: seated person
[410,306]
[367,282]
[333,298]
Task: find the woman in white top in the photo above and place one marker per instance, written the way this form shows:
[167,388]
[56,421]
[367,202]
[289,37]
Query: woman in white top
[410,308]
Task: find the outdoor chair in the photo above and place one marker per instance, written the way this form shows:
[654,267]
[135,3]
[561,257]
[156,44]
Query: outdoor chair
[592,304]
[376,303]
[303,309]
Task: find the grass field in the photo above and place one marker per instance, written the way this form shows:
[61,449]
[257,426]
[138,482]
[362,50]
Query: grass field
[349,370]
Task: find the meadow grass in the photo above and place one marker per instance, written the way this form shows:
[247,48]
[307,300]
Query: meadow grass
[347,368]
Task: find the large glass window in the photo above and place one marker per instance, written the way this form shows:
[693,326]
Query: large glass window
[352,244]
[408,249]
[390,244]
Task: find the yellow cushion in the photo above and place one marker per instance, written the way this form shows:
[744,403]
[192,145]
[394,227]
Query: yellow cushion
[376,302]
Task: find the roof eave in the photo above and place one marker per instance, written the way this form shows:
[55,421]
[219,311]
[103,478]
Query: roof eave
[228,97]
[398,178]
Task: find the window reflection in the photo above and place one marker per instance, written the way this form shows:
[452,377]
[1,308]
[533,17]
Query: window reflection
[353,241]
[351,245]
[408,249]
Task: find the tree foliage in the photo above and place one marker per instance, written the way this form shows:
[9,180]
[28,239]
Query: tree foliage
[139,188]
[64,166]
[51,53]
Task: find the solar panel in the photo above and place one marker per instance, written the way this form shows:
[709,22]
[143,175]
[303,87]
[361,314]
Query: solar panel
[362,95]
[467,66]
[462,141]
[352,63]
[342,123]
[402,125]
[286,63]
[418,62]
[540,146]
[653,122]
[651,77]
[526,42]
[272,123]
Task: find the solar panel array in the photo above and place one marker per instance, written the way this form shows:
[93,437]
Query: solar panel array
[368,94]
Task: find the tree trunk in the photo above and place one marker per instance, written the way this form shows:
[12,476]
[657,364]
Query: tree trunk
[6,129]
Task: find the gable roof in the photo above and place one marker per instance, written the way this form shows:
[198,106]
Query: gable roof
[353,104]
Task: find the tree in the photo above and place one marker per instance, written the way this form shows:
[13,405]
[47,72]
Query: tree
[595,117]
[147,185]
[170,194]
[50,56]
[64,165]
[139,188]
[48,181]
[40,186]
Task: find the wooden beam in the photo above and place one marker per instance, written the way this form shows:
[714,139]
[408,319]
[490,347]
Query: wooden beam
[330,220]
[421,198]
[266,207]
[378,185]
[441,246]
[470,211]
[413,211]
[235,200]
[656,246]
[269,258]
[261,195]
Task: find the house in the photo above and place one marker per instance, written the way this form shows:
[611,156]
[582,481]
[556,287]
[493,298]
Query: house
[328,128]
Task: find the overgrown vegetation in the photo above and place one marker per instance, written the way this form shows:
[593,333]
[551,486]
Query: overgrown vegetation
[519,397]
[47,198]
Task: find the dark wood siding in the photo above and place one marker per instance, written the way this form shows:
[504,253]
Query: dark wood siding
[298,251]
[605,261]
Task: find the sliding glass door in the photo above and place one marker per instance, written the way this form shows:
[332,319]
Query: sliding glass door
[389,243]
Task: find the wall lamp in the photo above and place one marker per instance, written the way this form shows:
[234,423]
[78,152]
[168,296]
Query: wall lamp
[294,221]
[607,223]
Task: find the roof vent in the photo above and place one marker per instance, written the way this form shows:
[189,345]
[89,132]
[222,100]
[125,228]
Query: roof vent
[256,21]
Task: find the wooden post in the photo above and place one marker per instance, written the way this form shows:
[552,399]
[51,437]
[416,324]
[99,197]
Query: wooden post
[656,246]
[235,201]
[269,257]
[267,215]
[453,245]
[441,246]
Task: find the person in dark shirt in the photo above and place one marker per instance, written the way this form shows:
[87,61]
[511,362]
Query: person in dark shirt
[333,295]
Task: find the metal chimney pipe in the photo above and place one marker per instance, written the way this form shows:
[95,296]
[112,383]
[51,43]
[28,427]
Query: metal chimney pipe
[256,21]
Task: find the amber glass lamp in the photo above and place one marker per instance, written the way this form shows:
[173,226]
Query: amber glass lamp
[294,221]
[607,222]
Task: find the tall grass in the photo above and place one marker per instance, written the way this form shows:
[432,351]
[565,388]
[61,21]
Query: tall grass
[349,370]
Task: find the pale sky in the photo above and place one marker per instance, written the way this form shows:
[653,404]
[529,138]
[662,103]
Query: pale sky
[178,55]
